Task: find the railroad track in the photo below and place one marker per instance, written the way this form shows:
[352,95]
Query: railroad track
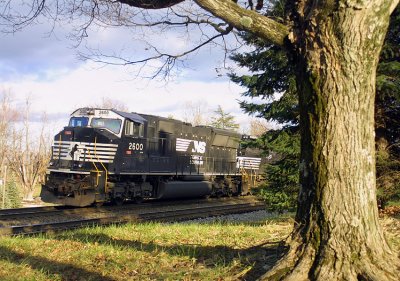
[179,213]
[5,213]
[13,215]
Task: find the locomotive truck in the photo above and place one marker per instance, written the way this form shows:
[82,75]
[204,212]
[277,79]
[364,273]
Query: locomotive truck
[106,155]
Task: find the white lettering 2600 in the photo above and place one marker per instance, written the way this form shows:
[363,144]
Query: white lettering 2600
[135,146]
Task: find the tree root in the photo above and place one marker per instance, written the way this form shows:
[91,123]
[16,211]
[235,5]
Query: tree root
[303,262]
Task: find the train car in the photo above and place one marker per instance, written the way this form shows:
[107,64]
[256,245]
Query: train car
[106,155]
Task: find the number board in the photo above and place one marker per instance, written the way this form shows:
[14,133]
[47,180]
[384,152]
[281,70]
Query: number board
[103,112]
[135,147]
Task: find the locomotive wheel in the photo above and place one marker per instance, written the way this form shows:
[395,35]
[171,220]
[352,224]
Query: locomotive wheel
[119,201]
[218,194]
[98,204]
[138,199]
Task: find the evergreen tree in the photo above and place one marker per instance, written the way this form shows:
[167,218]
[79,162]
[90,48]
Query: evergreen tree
[272,79]
[223,120]
[281,189]
[13,197]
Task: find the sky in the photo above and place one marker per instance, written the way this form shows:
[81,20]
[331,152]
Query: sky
[41,62]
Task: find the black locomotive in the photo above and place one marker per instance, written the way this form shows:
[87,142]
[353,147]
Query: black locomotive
[108,155]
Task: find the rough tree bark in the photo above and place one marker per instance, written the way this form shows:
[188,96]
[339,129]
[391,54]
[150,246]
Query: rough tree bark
[335,46]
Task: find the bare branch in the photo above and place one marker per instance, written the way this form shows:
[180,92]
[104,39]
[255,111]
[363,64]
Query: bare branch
[246,20]
[169,60]
[232,13]
[214,19]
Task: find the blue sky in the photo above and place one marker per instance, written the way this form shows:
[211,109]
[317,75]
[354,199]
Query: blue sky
[45,66]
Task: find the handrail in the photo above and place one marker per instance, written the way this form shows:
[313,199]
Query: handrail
[98,159]
[94,164]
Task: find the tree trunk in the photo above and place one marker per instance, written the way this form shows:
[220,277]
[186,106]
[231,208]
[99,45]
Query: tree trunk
[337,235]
[28,194]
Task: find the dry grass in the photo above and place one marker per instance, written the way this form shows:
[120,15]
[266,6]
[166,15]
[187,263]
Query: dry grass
[391,226]
[150,251]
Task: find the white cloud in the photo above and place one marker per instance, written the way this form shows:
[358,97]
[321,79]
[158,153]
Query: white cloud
[87,85]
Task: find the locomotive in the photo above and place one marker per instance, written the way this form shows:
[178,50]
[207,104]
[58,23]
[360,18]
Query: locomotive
[106,155]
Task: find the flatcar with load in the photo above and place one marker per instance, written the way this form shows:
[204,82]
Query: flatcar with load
[106,155]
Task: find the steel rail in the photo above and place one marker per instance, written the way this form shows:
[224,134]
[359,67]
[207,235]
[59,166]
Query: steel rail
[160,216]
[5,213]
[31,212]
[14,214]
[24,210]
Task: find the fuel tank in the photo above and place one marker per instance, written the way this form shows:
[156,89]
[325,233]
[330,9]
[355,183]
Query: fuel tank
[183,189]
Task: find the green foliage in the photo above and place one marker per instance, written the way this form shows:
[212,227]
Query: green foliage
[282,176]
[277,200]
[223,120]
[12,198]
[272,79]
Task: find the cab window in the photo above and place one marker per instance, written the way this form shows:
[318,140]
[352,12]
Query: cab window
[78,122]
[114,125]
[133,129]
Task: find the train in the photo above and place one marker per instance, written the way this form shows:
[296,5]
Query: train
[107,155]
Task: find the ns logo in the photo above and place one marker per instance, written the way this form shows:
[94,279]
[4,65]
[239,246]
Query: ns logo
[199,147]
[194,146]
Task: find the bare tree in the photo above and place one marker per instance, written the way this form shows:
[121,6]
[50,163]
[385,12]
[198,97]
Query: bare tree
[335,47]
[258,127]
[8,116]
[108,103]
[29,155]
[195,113]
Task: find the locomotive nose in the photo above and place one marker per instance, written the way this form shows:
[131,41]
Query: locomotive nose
[74,147]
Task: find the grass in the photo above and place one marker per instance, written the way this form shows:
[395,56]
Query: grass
[149,251]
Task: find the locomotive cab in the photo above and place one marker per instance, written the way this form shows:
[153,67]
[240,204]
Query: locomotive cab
[83,155]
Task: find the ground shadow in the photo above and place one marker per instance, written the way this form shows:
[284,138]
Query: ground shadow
[65,270]
[260,257]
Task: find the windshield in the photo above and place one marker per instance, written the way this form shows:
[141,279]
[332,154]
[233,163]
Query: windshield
[78,122]
[113,125]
